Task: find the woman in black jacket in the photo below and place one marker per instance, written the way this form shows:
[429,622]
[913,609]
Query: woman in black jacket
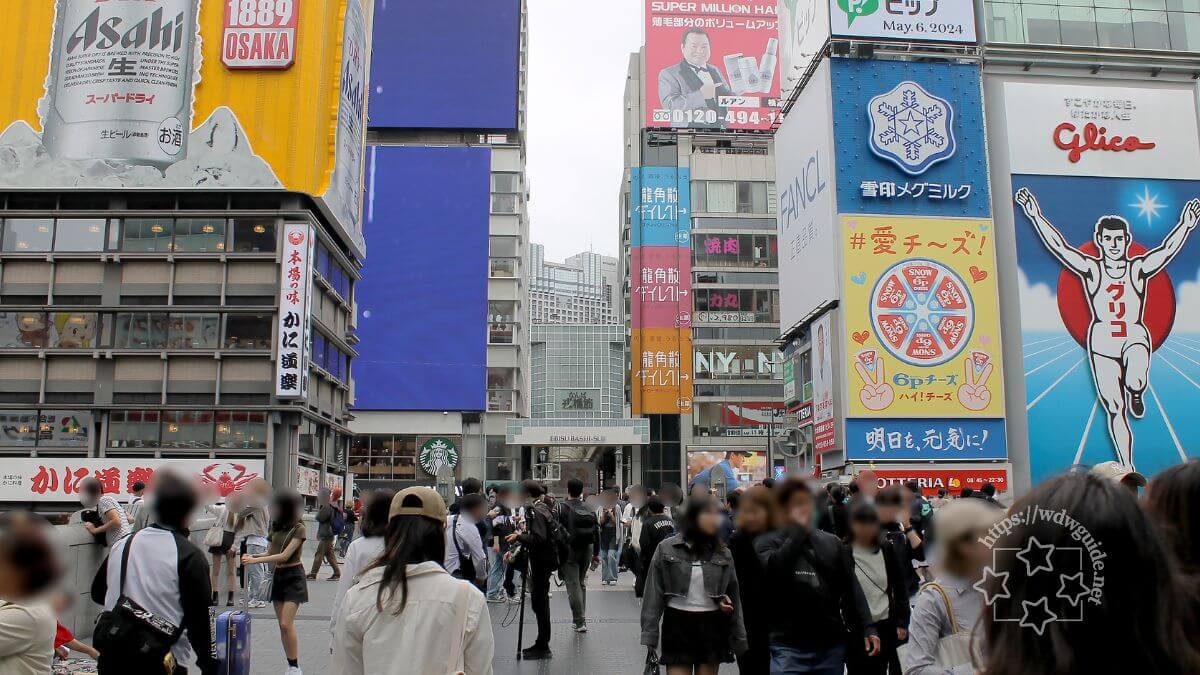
[756,516]
[877,567]
[692,589]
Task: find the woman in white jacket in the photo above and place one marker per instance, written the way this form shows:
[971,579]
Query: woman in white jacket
[408,605]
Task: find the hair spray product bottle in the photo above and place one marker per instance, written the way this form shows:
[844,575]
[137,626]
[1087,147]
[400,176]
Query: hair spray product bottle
[733,67]
[766,67]
[750,73]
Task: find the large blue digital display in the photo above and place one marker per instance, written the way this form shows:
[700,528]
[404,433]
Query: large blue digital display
[422,299]
[420,78]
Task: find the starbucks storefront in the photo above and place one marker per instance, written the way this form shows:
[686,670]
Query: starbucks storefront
[397,461]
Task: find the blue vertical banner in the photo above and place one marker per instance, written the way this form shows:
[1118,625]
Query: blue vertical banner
[661,202]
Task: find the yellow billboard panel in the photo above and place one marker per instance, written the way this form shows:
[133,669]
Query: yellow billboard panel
[661,370]
[922,317]
[188,94]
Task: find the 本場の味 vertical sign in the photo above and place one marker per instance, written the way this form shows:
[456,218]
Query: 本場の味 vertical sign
[260,34]
[295,281]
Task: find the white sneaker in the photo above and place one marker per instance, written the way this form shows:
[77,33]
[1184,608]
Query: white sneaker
[293,670]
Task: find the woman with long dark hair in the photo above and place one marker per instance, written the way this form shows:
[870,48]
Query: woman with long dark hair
[756,515]
[364,551]
[1173,500]
[1125,611]
[881,577]
[289,589]
[407,615]
[692,589]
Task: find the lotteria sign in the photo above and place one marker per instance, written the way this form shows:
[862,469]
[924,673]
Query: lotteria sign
[953,480]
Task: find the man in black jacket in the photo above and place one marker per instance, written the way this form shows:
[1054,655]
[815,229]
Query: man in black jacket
[538,546]
[655,528]
[167,575]
[583,529]
[899,532]
[811,570]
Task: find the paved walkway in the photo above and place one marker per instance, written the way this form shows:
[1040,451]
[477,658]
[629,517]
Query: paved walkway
[610,646]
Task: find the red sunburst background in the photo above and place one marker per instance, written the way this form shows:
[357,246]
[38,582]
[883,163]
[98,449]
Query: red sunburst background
[1073,305]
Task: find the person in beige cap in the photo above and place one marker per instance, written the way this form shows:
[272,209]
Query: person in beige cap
[407,615]
[1123,475]
[950,606]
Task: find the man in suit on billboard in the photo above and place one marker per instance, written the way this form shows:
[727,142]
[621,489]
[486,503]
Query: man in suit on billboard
[693,83]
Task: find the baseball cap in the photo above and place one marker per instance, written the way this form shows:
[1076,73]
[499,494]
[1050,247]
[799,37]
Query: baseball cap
[428,503]
[1115,471]
[964,517]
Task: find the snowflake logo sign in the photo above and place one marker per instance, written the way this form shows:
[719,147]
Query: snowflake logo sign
[911,128]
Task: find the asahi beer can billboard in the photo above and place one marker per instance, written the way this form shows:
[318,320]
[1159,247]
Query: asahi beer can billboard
[139,94]
[120,81]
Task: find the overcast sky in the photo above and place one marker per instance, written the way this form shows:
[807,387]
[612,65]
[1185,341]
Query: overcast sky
[578,57]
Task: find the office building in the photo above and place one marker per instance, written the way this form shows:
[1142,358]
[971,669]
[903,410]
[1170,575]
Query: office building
[449,367]
[580,290]
[699,271]
[186,302]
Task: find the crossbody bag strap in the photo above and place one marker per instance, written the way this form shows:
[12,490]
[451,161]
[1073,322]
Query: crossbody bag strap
[125,563]
[949,607]
[454,536]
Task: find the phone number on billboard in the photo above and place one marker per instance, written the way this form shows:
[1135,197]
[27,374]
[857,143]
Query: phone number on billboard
[704,116]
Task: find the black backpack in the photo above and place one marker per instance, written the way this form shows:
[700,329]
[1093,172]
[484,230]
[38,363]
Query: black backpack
[582,523]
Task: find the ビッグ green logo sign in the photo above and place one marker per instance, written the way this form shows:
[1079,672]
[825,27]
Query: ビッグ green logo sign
[857,8]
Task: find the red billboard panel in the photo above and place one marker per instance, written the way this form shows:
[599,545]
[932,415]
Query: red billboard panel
[712,65]
[931,479]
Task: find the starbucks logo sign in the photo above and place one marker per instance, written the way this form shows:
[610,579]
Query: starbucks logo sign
[437,452]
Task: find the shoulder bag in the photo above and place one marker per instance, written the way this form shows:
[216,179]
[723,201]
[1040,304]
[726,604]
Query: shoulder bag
[466,566]
[954,649]
[143,638]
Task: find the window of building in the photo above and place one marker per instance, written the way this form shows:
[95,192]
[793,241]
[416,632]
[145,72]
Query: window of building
[28,234]
[147,234]
[187,429]
[737,362]
[501,389]
[734,224]
[499,463]
[253,235]
[140,330]
[502,268]
[248,331]
[194,331]
[200,235]
[506,182]
[1142,24]
[133,429]
[504,203]
[722,196]
[241,430]
[806,376]
[79,234]
[743,305]
[501,321]
[737,419]
[384,457]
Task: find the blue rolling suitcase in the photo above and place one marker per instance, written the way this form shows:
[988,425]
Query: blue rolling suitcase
[231,637]
[233,643]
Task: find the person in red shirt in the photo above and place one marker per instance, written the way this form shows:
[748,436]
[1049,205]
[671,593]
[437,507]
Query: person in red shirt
[64,639]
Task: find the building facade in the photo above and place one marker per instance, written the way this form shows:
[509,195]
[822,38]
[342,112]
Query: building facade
[476,398]
[580,290]
[185,301]
[729,382]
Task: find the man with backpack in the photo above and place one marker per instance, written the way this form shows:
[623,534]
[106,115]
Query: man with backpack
[543,548]
[583,535]
[330,522]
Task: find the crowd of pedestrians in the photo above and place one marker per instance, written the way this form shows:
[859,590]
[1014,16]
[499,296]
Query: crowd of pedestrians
[858,578]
